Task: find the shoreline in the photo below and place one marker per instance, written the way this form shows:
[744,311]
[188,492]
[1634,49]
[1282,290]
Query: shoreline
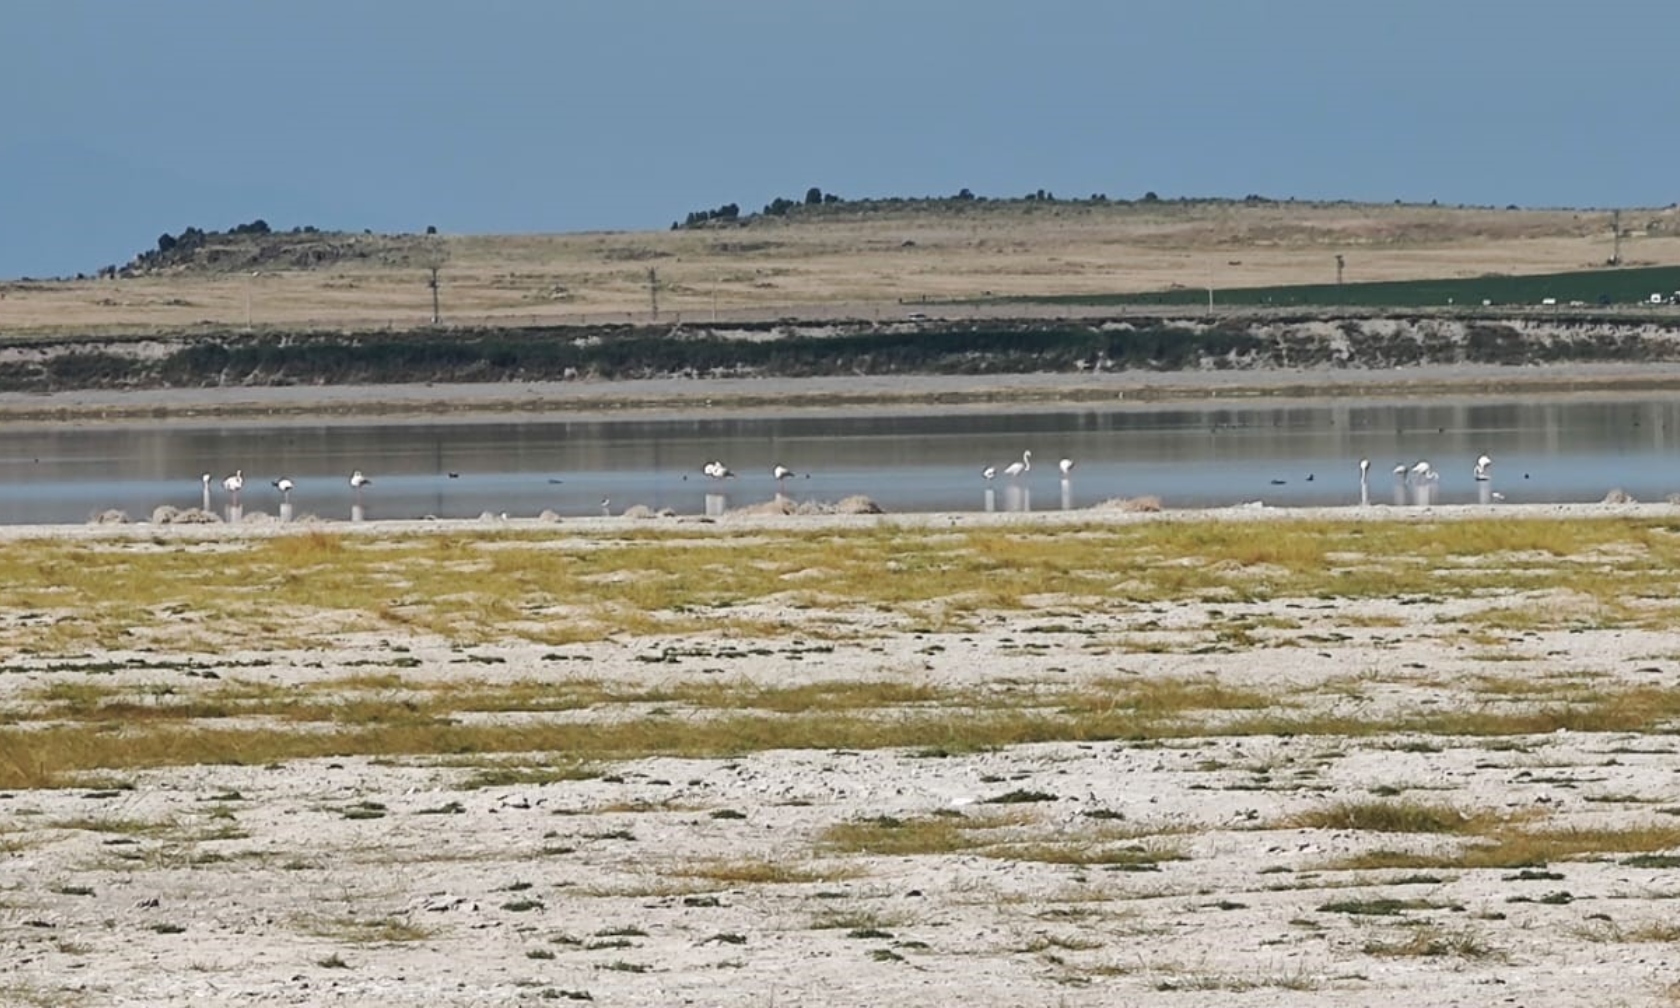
[747,522]
[650,397]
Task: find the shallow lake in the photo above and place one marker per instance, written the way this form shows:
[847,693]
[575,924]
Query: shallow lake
[1545,449]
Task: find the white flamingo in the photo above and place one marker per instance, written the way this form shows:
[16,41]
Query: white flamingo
[717,471]
[357,481]
[1424,473]
[1481,473]
[781,472]
[1066,466]
[284,485]
[1015,469]
[1364,470]
[206,480]
[233,484]
[990,472]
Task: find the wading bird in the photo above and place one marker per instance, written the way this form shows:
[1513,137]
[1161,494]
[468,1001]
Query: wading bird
[233,484]
[1066,466]
[284,485]
[357,481]
[1015,469]
[1483,464]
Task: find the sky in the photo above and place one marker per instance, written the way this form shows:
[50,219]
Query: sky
[125,120]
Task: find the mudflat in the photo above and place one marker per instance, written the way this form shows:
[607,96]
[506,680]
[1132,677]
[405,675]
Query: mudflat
[1311,757]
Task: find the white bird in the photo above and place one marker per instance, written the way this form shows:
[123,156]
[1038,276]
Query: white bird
[1400,471]
[1364,469]
[1066,466]
[1481,471]
[284,485]
[606,505]
[990,472]
[1423,473]
[717,470]
[233,484]
[1014,469]
[206,480]
[781,472]
[357,481]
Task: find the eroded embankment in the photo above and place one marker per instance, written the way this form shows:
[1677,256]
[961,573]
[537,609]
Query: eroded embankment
[1143,355]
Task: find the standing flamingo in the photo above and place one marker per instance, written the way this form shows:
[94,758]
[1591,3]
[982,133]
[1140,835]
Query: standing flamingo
[1015,469]
[233,484]
[357,481]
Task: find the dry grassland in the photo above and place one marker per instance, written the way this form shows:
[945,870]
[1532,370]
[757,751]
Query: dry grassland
[844,262]
[1332,760]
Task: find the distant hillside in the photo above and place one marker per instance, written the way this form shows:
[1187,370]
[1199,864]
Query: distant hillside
[829,259]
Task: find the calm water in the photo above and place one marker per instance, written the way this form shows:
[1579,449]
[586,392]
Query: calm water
[1573,449]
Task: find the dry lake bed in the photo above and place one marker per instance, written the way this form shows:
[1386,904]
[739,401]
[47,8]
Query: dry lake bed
[1240,757]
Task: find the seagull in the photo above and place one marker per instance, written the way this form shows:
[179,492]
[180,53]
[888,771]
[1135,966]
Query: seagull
[233,484]
[1066,466]
[284,485]
[1481,471]
[1015,469]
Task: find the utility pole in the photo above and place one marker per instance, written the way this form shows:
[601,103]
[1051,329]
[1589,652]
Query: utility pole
[653,291]
[437,315]
[1616,226]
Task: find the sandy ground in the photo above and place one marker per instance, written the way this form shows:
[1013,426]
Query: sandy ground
[257,884]
[652,398]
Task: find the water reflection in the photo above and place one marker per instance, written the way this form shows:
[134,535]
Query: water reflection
[1289,454]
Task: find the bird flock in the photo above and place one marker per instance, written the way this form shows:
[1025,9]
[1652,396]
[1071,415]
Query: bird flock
[1420,478]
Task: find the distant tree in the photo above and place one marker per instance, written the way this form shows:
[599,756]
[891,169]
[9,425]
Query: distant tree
[1150,197]
[166,242]
[830,198]
[964,194]
[779,207]
[813,196]
[431,229]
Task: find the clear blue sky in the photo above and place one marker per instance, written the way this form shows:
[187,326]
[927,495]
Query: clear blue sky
[124,120]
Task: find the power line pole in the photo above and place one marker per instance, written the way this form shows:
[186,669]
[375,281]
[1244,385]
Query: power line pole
[1616,226]
[437,315]
[653,291]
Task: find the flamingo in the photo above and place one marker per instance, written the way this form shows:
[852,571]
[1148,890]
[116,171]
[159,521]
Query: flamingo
[1424,473]
[1066,466]
[717,470]
[1481,471]
[357,481]
[990,472]
[284,485]
[781,472]
[1364,469]
[233,484]
[1015,469]
[206,480]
